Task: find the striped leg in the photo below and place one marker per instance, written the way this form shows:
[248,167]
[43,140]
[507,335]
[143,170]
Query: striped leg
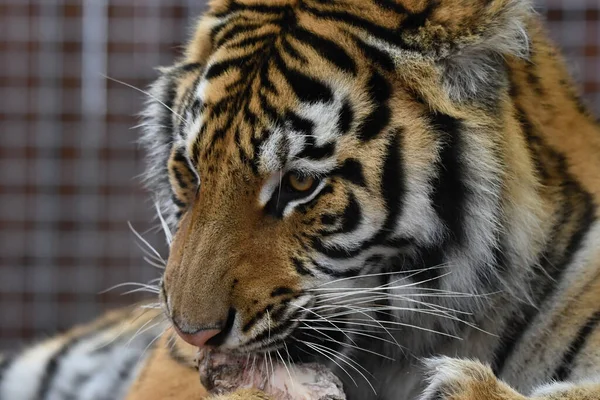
[94,361]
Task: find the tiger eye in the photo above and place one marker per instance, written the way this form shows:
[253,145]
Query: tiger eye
[300,183]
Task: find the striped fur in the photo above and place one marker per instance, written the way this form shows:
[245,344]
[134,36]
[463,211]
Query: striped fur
[452,214]
[98,361]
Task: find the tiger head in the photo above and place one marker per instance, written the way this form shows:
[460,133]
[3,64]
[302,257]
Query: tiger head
[316,159]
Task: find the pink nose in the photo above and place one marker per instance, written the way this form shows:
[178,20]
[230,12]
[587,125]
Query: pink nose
[199,338]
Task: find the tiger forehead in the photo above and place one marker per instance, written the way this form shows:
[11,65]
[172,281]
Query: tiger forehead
[279,79]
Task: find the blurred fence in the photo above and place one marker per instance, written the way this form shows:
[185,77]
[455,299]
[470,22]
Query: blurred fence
[68,158]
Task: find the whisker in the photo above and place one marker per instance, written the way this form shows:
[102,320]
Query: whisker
[353,331]
[141,330]
[147,94]
[142,285]
[286,368]
[165,227]
[150,255]
[383,274]
[145,290]
[341,357]
[151,343]
[308,344]
[145,242]
[326,320]
[269,353]
[354,346]
[350,322]
[383,309]
[383,288]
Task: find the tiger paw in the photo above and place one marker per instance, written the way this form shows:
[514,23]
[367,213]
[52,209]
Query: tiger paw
[459,379]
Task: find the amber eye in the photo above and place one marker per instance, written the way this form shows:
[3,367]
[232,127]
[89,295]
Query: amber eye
[300,183]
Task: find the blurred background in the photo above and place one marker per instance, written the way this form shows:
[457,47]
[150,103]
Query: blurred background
[69,163]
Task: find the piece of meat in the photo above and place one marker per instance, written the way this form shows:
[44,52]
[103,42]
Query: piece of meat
[224,373]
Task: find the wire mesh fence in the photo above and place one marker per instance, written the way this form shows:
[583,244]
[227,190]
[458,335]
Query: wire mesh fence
[68,157]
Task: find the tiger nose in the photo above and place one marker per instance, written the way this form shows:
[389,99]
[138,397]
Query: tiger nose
[198,338]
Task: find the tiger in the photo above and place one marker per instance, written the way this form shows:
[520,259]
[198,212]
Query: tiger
[408,188]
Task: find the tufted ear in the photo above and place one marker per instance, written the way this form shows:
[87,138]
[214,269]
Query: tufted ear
[467,40]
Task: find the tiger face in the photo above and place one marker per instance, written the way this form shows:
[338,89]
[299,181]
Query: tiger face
[320,161]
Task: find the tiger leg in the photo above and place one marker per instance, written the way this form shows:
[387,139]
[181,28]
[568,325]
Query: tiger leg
[459,379]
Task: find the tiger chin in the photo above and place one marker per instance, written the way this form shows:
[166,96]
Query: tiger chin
[406,191]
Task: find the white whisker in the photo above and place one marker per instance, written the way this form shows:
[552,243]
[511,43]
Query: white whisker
[310,345]
[353,346]
[163,223]
[147,94]
[145,242]
[339,355]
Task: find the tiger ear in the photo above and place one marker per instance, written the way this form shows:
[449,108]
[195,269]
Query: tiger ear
[468,39]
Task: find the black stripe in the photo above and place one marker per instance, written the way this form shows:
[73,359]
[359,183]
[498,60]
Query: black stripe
[310,150]
[237,29]
[328,219]
[179,177]
[379,117]
[219,68]
[413,20]
[427,258]
[352,171]
[291,51]
[376,56]
[326,49]
[254,40]
[299,124]
[177,202]
[280,291]
[265,80]
[350,218]
[53,365]
[256,317]
[392,189]
[189,67]
[314,152]
[335,252]
[392,186]
[577,205]
[352,215]
[274,332]
[300,267]
[378,31]
[277,314]
[196,108]
[307,89]
[449,191]
[563,371]
[349,273]
[345,118]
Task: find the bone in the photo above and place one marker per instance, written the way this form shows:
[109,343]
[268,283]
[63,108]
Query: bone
[224,373]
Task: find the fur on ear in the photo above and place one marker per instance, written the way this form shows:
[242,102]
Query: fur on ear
[473,66]
[468,39]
